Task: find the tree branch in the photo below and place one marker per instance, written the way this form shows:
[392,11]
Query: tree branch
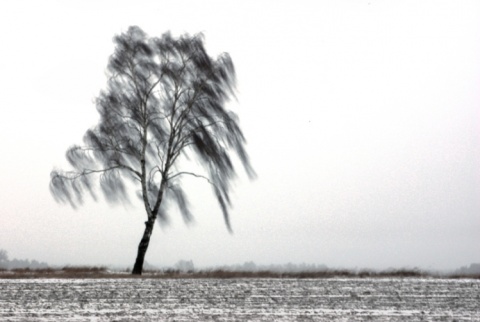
[191,174]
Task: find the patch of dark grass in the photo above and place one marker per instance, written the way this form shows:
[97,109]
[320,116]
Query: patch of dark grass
[402,273]
[227,274]
[26,271]
[103,272]
[65,272]
[84,269]
[459,276]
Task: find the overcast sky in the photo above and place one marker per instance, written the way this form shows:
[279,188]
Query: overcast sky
[362,120]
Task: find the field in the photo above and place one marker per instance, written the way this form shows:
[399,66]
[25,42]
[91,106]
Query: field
[154,299]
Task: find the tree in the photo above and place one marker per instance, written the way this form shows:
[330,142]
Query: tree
[165,100]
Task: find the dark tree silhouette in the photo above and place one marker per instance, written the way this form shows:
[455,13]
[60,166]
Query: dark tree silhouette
[165,98]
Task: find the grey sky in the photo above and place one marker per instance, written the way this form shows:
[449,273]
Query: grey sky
[362,120]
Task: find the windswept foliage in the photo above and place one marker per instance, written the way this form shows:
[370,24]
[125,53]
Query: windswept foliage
[165,98]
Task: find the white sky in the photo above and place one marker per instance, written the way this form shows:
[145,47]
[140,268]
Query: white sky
[362,117]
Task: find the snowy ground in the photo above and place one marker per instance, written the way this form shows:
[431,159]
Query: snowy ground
[240,299]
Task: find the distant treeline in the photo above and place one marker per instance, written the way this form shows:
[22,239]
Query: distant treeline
[185,266]
[6,263]
[473,269]
[278,268]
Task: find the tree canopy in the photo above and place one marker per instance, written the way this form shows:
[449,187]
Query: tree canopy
[165,100]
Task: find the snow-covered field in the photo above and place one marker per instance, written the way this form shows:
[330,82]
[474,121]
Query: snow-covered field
[240,299]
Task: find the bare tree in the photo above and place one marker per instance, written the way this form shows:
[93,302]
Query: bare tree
[165,98]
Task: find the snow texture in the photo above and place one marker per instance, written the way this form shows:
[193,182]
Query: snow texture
[240,299]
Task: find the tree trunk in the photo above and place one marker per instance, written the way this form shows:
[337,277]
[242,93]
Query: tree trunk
[142,247]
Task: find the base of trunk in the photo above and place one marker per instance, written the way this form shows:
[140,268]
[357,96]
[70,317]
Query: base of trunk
[142,248]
